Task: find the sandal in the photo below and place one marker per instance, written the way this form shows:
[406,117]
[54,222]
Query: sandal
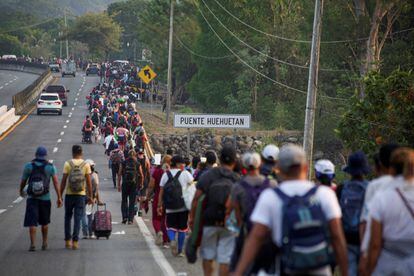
[32,248]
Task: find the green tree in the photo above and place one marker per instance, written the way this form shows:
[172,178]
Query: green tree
[98,31]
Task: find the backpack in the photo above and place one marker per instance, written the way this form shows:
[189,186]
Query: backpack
[134,121]
[38,181]
[76,177]
[305,233]
[252,195]
[173,192]
[116,157]
[88,125]
[130,171]
[351,202]
[217,195]
[95,118]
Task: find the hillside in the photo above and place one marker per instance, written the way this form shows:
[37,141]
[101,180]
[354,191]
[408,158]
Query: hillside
[48,8]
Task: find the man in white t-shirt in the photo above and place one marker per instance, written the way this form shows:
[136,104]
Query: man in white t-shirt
[176,219]
[268,213]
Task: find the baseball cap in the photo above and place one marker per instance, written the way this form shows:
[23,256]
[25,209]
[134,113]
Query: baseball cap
[271,153]
[228,154]
[90,162]
[251,160]
[41,152]
[291,155]
[325,166]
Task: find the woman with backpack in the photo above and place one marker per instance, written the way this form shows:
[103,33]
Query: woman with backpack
[351,199]
[242,202]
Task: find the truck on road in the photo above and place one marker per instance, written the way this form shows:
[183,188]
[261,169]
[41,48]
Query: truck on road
[69,68]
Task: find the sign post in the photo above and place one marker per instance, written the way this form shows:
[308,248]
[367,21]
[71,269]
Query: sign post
[188,142]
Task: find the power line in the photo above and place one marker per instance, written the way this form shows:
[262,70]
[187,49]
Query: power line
[251,67]
[298,40]
[264,54]
[199,55]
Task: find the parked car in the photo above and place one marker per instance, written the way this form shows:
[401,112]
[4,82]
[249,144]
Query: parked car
[49,102]
[60,90]
[54,68]
[69,68]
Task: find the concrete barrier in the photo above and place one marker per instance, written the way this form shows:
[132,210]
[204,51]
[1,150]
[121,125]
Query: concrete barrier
[7,119]
[27,67]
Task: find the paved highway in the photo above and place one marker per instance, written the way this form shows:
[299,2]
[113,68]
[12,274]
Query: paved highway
[12,82]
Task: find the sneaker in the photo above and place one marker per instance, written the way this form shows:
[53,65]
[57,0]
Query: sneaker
[174,249]
[124,221]
[75,245]
[166,245]
[181,255]
[140,213]
[92,237]
[130,222]
[68,244]
[158,240]
[85,237]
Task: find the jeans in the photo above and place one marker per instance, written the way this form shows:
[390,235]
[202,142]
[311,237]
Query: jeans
[86,223]
[129,193]
[353,259]
[74,207]
[115,169]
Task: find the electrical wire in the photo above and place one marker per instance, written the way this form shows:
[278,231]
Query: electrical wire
[199,55]
[298,40]
[251,67]
[264,54]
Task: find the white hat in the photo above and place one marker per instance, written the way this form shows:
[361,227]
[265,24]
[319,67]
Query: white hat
[90,162]
[324,166]
[251,159]
[271,152]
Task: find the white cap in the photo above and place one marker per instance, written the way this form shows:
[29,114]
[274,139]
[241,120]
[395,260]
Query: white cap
[325,166]
[251,159]
[271,152]
[90,162]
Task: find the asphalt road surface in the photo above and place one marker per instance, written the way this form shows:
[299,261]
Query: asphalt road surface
[125,253]
[12,82]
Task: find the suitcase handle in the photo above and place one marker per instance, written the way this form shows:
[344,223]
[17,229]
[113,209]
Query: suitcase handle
[97,206]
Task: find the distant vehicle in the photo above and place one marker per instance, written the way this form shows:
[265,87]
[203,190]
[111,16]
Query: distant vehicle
[60,90]
[120,63]
[9,57]
[49,102]
[92,69]
[69,68]
[54,68]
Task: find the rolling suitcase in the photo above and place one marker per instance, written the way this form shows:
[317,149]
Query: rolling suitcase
[102,223]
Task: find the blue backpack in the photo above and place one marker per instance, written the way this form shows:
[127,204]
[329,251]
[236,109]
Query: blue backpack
[351,202]
[305,233]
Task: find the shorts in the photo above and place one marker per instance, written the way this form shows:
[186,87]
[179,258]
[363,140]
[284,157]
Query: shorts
[177,221]
[37,212]
[217,244]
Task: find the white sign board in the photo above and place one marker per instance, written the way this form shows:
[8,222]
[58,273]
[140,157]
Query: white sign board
[211,121]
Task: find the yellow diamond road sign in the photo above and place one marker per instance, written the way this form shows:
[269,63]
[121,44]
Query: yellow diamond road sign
[146,74]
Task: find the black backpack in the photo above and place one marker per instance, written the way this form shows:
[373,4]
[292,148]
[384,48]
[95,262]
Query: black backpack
[173,192]
[130,171]
[217,195]
[38,181]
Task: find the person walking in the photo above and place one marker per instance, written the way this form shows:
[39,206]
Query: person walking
[131,174]
[116,157]
[270,155]
[391,247]
[217,241]
[146,175]
[35,183]
[312,208]
[170,199]
[76,181]
[325,173]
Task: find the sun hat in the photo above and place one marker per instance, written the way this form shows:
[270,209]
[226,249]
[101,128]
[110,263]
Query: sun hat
[357,164]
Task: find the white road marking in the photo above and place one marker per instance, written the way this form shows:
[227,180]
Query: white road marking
[65,126]
[55,149]
[155,250]
[76,99]
[1,87]
[73,108]
[59,140]
[10,206]
[67,121]
[119,233]
[115,222]
[2,211]
[74,104]
[80,89]
[70,115]
[51,161]
[6,84]
[77,94]
[18,200]
[61,134]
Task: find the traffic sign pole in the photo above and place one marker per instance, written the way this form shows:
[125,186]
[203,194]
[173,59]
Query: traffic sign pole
[170,50]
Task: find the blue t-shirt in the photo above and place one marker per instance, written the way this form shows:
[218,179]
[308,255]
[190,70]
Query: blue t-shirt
[50,171]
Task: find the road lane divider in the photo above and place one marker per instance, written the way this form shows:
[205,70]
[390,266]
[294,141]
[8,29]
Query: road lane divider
[59,140]
[65,126]
[2,211]
[61,133]
[18,200]
[55,149]
[155,250]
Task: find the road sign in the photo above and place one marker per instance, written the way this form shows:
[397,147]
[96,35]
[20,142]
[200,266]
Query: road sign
[211,121]
[146,74]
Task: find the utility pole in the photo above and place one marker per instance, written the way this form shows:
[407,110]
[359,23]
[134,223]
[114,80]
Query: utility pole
[60,48]
[67,42]
[313,82]
[170,50]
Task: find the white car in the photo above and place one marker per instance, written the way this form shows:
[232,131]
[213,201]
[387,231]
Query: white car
[49,102]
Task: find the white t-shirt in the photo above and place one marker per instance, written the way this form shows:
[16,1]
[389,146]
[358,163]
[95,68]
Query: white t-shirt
[397,222]
[380,186]
[185,179]
[268,210]
[108,140]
